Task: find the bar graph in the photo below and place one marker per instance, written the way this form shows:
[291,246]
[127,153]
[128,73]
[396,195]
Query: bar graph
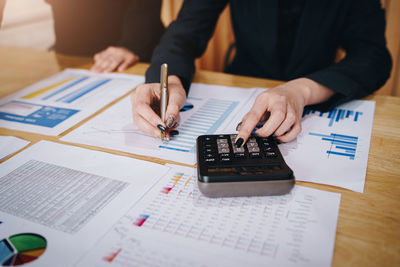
[341,145]
[335,115]
[46,89]
[205,120]
[71,97]
[65,87]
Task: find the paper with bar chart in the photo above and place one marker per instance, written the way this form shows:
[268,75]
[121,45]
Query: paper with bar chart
[209,109]
[175,225]
[55,104]
[333,146]
[56,201]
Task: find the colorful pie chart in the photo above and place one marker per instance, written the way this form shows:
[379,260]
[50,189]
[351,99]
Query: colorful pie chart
[22,248]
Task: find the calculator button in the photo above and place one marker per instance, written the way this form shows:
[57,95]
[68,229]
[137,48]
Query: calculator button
[240,156]
[233,136]
[223,150]
[226,159]
[225,155]
[223,145]
[251,145]
[209,156]
[267,149]
[222,141]
[265,143]
[254,149]
[252,140]
[271,154]
[207,138]
[208,145]
[254,155]
[209,150]
[210,160]
[238,149]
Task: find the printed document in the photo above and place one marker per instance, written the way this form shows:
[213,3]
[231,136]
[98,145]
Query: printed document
[57,103]
[174,225]
[10,144]
[56,201]
[209,109]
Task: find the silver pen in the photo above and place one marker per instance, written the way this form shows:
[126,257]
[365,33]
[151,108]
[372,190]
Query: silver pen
[163,94]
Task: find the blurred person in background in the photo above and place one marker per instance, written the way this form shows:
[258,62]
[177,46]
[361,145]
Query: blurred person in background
[116,33]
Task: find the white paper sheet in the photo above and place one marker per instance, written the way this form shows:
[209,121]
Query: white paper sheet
[174,225]
[333,146]
[67,198]
[57,103]
[10,144]
[213,111]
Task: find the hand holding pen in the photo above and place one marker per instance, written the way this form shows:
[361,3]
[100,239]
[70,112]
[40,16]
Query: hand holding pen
[146,107]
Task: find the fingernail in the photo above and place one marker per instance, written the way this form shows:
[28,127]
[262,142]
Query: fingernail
[173,132]
[239,142]
[170,122]
[162,128]
[238,126]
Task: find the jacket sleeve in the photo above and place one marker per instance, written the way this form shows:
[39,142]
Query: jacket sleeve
[367,63]
[185,39]
[142,28]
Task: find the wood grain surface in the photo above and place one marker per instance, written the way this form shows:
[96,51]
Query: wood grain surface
[368,231]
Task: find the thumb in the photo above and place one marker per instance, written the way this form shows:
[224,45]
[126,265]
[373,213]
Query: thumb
[176,100]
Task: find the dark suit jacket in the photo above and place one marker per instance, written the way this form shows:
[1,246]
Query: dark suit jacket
[84,27]
[357,26]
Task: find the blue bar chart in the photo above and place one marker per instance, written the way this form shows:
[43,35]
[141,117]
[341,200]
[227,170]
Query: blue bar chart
[205,120]
[335,115]
[65,87]
[341,145]
[71,97]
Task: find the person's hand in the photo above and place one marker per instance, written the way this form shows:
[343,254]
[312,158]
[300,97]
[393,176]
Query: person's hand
[146,106]
[113,58]
[282,108]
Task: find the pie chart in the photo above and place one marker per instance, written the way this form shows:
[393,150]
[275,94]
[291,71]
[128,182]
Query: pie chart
[21,248]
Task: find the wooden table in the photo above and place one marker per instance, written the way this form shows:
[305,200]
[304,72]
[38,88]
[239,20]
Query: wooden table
[368,231]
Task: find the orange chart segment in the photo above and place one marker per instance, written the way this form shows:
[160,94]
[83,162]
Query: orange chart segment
[34,253]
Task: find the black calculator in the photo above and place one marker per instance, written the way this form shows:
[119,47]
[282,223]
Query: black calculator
[255,169]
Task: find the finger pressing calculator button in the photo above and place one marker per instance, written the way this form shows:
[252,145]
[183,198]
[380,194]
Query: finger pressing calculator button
[254,155]
[270,154]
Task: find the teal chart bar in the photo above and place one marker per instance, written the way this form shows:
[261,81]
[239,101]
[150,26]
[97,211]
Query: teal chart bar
[341,145]
[205,120]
